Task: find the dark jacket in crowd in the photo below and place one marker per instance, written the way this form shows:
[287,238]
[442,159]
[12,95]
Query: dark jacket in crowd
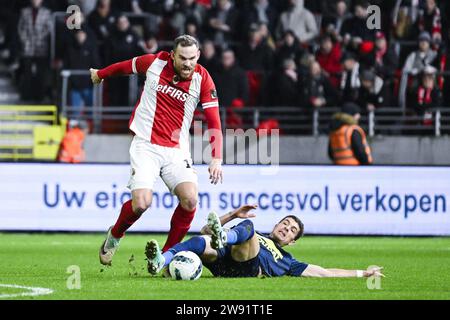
[281,90]
[357,28]
[375,95]
[358,147]
[388,64]
[231,84]
[427,99]
[259,58]
[123,46]
[318,87]
[103,27]
[82,57]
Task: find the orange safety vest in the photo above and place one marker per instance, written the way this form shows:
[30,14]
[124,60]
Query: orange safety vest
[341,145]
[72,146]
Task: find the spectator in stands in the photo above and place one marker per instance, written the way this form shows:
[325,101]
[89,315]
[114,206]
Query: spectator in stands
[209,58]
[193,29]
[150,43]
[261,12]
[332,23]
[385,58]
[102,21]
[348,144]
[282,89]
[329,58]
[81,55]
[231,81]
[425,55]
[300,20]
[430,21]
[329,8]
[317,89]
[255,54]
[372,91]
[222,21]
[267,36]
[187,11]
[124,44]
[428,96]
[34,31]
[153,8]
[350,82]
[289,48]
[354,30]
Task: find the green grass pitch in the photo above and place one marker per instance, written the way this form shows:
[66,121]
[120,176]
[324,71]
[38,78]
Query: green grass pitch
[415,268]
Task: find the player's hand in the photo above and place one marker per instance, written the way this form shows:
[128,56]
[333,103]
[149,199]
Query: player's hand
[243,212]
[94,76]
[215,171]
[375,272]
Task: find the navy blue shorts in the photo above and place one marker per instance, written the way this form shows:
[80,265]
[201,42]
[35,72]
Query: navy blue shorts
[226,267]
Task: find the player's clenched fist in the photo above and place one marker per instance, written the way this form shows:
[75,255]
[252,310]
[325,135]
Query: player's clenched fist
[215,171]
[94,76]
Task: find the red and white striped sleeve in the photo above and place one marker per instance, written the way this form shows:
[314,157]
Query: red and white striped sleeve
[136,65]
[208,93]
[140,65]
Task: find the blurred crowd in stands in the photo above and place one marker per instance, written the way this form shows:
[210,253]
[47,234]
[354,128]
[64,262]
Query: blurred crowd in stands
[299,53]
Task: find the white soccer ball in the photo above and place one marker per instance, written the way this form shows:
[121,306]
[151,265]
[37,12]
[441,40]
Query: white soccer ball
[185,265]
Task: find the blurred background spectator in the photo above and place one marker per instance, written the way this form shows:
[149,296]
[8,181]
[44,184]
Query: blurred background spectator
[428,96]
[300,20]
[350,82]
[317,89]
[82,54]
[34,32]
[260,52]
[372,93]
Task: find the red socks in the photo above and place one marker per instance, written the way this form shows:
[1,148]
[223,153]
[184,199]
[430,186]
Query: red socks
[126,219]
[179,226]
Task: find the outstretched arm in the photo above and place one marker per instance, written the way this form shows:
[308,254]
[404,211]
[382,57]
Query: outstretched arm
[242,213]
[314,271]
[136,65]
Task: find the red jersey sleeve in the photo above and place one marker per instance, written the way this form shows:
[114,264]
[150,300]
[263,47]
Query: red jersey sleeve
[208,94]
[142,63]
[136,65]
[210,105]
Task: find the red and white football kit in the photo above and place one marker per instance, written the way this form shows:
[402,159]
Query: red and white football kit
[162,118]
[161,121]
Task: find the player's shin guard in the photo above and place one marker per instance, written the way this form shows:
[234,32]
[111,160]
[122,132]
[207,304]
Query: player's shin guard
[126,219]
[195,244]
[244,231]
[179,226]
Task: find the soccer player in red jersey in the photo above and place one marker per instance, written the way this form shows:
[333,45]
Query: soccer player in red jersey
[161,120]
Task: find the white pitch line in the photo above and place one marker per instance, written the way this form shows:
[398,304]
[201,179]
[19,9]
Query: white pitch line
[34,291]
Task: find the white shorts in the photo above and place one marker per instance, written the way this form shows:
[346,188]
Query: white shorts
[148,161]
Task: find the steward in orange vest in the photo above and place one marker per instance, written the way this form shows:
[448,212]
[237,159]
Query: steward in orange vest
[348,144]
[71,149]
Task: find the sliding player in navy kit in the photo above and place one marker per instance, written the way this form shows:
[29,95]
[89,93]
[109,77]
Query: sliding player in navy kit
[242,252]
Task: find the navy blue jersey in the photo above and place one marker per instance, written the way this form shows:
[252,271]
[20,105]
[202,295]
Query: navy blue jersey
[275,262]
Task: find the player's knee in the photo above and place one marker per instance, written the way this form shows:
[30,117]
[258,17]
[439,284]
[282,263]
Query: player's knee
[249,227]
[189,203]
[141,204]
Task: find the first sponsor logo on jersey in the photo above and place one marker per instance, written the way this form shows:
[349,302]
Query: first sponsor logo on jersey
[169,90]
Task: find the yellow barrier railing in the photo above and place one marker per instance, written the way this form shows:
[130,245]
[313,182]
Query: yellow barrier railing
[29,132]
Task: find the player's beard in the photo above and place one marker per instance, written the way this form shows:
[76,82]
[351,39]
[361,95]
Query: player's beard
[180,71]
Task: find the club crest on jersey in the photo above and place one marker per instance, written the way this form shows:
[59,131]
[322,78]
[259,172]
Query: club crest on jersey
[169,90]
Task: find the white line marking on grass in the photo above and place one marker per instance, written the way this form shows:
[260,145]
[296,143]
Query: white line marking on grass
[33,291]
